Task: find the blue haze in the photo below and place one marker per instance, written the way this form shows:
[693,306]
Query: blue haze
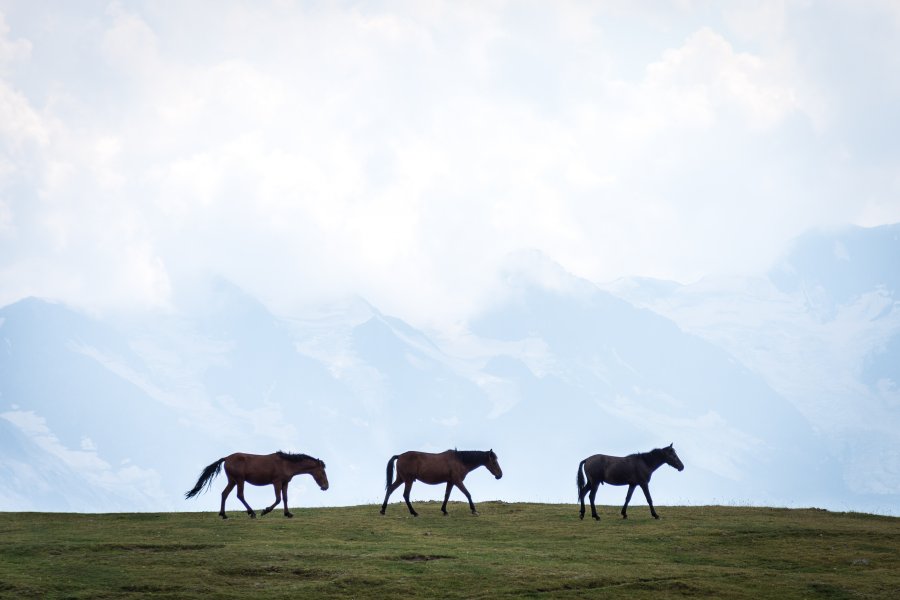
[122,413]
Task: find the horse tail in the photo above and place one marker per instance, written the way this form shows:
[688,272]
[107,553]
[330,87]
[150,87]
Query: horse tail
[579,480]
[390,470]
[206,478]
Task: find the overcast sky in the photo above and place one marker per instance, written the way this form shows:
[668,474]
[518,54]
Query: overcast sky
[403,150]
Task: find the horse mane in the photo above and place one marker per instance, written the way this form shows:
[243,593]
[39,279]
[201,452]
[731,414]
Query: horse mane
[289,456]
[646,456]
[472,458]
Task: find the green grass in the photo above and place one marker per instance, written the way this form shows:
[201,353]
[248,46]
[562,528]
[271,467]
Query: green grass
[510,551]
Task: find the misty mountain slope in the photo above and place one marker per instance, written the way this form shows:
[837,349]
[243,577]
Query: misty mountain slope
[35,480]
[54,368]
[620,379]
[259,370]
[836,267]
[122,413]
[823,331]
[221,375]
[422,390]
[259,389]
[171,392]
[854,273]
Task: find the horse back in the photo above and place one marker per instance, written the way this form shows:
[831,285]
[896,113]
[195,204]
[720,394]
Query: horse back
[427,467]
[257,469]
[614,470]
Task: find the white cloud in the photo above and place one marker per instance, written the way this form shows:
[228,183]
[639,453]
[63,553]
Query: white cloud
[402,152]
[699,81]
[757,20]
[11,50]
[19,122]
[130,44]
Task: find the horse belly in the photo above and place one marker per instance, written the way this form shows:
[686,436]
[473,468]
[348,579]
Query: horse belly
[612,480]
[607,471]
[620,474]
[429,469]
[258,479]
[432,478]
[249,469]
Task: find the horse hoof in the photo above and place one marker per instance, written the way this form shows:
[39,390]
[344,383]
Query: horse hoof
[474,513]
[596,518]
[381,511]
[581,517]
[223,515]
[252,515]
[289,515]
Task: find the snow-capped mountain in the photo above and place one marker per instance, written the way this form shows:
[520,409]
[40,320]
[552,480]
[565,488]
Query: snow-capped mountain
[823,330]
[122,413]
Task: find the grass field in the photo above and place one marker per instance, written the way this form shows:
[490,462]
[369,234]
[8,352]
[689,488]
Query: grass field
[510,551]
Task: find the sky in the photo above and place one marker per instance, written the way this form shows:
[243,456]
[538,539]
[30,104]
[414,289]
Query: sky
[403,151]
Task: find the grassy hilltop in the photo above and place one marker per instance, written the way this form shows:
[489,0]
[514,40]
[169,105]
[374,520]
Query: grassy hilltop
[511,550]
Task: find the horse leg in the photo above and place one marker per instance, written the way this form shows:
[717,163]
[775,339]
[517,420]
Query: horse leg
[463,489]
[594,486]
[240,494]
[268,509]
[646,488]
[287,513]
[446,497]
[406,489]
[225,493]
[581,495]
[390,491]
[627,500]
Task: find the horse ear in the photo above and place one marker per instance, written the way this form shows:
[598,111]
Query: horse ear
[670,445]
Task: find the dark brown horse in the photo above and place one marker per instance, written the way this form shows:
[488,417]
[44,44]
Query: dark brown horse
[270,469]
[632,470]
[449,467]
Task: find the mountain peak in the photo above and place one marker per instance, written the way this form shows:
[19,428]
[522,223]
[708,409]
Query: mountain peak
[843,264]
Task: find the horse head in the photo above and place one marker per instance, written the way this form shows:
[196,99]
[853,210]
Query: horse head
[671,458]
[318,473]
[492,465]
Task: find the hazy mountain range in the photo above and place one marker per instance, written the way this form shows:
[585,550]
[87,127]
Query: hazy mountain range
[775,390]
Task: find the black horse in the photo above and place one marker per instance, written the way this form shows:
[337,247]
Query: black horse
[632,470]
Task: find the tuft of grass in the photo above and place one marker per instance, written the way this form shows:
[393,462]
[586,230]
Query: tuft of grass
[511,551]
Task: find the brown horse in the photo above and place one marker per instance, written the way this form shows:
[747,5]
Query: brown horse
[632,470]
[276,469]
[449,467]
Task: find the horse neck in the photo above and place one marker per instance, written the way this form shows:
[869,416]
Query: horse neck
[473,460]
[304,466]
[653,459]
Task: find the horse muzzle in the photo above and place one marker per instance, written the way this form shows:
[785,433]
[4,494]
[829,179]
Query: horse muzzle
[323,487]
[498,476]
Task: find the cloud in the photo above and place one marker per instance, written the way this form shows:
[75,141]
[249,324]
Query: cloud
[20,124]
[705,77]
[404,151]
[11,50]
